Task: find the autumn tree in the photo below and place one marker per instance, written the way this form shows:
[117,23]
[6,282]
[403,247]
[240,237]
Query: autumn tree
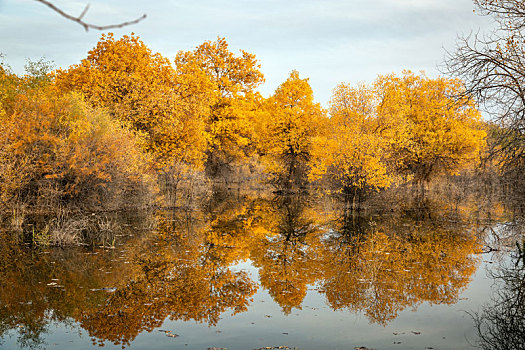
[354,154]
[143,91]
[395,129]
[443,127]
[229,121]
[7,87]
[289,128]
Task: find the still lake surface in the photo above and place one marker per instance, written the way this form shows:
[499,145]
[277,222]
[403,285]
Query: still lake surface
[251,272]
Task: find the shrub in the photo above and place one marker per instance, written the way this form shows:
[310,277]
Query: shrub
[56,151]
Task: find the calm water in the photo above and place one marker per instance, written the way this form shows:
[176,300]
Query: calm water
[241,272]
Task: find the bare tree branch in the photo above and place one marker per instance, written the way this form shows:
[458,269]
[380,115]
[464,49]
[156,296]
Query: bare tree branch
[84,24]
[492,65]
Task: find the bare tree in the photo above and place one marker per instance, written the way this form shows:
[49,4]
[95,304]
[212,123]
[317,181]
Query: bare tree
[508,13]
[87,26]
[493,68]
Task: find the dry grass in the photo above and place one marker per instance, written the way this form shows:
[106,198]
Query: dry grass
[82,229]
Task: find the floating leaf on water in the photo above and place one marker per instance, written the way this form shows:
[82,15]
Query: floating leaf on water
[106,289]
[169,333]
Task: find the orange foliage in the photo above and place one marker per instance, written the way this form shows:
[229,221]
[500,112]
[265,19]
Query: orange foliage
[289,128]
[230,120]
[143,90]
[55,148]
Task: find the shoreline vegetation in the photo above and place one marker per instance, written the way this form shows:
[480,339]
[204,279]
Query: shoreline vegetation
[164,178]
[127,128]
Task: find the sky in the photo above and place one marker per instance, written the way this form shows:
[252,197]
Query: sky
[327,41]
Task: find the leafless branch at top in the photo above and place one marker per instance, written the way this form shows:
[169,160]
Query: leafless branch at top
[87,26]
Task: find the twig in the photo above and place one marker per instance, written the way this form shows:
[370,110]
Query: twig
[87,26]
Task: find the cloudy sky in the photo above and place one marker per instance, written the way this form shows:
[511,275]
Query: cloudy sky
[329,41]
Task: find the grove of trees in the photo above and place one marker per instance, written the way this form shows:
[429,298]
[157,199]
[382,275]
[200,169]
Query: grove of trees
[126,121]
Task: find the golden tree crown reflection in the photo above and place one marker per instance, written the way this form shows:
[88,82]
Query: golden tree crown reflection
[382,273]
[288,257]
[187,268]
[176,277]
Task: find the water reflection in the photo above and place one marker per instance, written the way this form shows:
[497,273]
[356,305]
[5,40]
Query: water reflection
[178,275]
[289,256]
[388,265]
[38,288]
[185,268]
[501,323]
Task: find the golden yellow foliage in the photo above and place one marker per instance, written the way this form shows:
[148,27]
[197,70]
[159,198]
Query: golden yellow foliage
[6,87]
[229,122]
[55,148]
[442,127]
[353,155]
[411,126]
[288,130]
[144,91]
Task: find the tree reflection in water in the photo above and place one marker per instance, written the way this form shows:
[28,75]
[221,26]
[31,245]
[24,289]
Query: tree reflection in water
[41,288]
[385,266]
[501,324]
[289,256]
[185,268]
[178,276]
